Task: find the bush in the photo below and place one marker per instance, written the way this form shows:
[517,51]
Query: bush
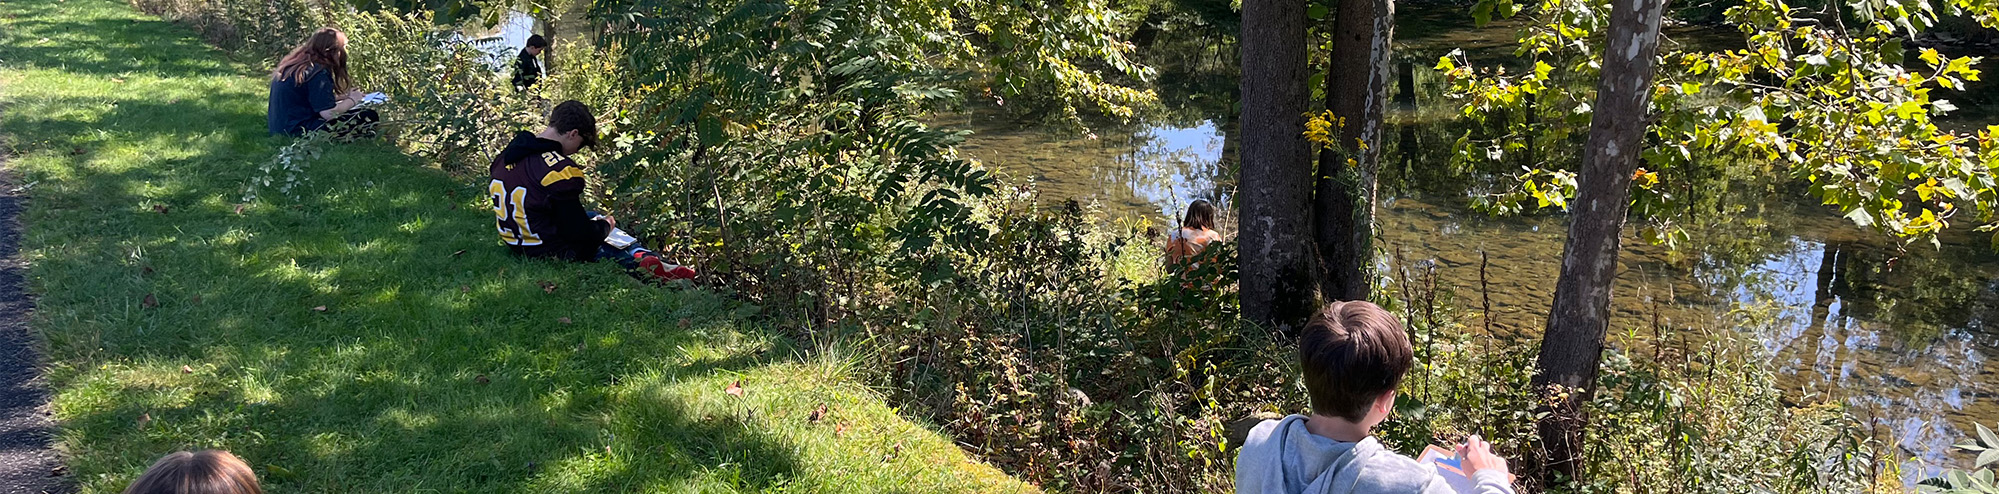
[265,29]
[446,103]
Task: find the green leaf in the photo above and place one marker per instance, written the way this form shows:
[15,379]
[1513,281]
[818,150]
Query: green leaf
[1317,11]
[1987,458]
[1986,436]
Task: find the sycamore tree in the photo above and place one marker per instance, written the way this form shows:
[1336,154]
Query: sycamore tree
[1827,97]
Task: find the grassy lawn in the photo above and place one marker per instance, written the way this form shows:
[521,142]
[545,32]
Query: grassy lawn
[173,321]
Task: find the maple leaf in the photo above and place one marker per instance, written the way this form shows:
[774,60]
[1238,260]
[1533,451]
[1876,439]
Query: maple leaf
[735,389]
[149,302]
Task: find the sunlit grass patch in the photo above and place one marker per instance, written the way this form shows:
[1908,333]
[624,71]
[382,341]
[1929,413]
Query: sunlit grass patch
[338,339]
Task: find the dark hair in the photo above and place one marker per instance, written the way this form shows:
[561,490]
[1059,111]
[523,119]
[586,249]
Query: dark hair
[1352,353]
[200,472]
[1200,215]
[574,115]
[534,41]
[325,48]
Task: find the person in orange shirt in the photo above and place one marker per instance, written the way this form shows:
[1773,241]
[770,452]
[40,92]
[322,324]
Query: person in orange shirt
[1197,230]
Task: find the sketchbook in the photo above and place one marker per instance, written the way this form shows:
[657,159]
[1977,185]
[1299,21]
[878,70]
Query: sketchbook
[620,239]
[1452,469]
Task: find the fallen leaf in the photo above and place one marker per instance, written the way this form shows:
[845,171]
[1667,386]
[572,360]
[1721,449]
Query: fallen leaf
[817,413]
[547,286]
[145,418]
[735,389]
[319,309]
[459,253]
[239,209]
[149,302]
[464,289]
[481,379]
[197,299]
[145,270]
[160,208]
[683,323]
[117,80]
[839,429]
[186,370]
[59,471]
[563,320]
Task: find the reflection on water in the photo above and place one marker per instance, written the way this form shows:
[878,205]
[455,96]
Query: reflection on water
[1156,169]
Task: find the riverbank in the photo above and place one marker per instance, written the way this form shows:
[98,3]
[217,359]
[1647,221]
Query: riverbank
[363,334]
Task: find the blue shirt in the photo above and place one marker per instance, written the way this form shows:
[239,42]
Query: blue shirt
[295,107]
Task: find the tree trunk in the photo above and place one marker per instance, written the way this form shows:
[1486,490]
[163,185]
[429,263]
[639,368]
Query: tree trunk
[1573,345]
[548,54]
[1275,181]
[1357,91]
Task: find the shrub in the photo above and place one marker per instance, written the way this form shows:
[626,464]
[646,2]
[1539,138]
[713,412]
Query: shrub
[265,29]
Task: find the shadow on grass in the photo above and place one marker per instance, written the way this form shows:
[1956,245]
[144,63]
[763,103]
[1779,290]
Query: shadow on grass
[438,362]
[113,41]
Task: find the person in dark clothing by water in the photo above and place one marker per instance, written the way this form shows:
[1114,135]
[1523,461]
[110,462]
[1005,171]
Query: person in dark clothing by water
[311,90]
[538,200]
[527,69]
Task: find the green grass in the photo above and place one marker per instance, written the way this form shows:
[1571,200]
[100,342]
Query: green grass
[428,371]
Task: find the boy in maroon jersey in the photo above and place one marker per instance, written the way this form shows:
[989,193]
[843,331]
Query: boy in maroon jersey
[538,199]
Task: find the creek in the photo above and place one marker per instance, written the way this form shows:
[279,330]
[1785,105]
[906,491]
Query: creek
[1902,335]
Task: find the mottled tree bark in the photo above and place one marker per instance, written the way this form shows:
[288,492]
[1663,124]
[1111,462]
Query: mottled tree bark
[1357,91]
[1274,186]
[1573,345]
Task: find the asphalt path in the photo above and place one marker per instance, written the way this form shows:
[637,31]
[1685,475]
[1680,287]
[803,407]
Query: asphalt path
[28,462]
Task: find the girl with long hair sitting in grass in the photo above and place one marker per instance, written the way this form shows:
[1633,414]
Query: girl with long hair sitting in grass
[311,90]
[197,472]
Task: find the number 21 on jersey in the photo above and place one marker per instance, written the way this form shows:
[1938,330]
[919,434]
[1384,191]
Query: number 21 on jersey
[507,205]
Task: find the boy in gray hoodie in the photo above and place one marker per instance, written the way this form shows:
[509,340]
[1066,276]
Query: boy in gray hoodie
[1353,355]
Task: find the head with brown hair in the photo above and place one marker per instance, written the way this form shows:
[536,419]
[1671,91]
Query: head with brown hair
[1200,215]
[326,48]
[197,472]
[574,116]
[1352,354]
